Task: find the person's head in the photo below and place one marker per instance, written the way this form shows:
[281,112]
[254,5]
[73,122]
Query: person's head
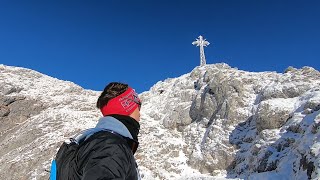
[119,98]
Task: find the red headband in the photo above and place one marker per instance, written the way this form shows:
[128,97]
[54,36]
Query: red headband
[124,104]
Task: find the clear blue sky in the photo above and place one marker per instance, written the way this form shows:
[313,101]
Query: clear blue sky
[141,42]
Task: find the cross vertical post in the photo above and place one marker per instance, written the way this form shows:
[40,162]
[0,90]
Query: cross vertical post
[201,43]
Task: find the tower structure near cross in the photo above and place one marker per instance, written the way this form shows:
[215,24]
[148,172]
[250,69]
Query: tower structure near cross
[201,43]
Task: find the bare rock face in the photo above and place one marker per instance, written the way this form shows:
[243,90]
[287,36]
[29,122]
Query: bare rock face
[15,111]
[4,111]
[180,113]
[219,97]
[268,117]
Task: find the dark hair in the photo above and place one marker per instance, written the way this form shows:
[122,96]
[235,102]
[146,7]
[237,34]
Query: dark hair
[112,90]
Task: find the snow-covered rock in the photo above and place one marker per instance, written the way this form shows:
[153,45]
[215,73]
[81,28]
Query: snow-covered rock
[216,122]
[247,125]
[38,112]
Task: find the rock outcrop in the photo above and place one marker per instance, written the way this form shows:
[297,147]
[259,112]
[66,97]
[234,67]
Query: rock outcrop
[246,124]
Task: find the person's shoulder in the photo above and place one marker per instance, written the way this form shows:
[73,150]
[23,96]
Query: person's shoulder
[106,145]
[103,144]
[103,140]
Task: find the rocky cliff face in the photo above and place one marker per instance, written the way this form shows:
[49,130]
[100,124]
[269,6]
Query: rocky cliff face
[37,113]
[248,125]
[215,122]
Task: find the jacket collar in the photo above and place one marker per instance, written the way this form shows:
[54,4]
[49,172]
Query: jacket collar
[107,123]
[113,124]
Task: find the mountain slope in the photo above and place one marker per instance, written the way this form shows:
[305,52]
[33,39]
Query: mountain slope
[41,112]
[215,122]
[220,120]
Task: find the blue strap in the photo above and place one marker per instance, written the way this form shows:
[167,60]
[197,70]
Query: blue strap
[53,172]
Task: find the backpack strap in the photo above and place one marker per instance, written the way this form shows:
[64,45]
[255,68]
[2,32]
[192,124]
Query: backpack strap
[53,171]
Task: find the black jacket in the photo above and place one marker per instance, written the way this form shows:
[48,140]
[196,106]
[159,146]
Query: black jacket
[108,155]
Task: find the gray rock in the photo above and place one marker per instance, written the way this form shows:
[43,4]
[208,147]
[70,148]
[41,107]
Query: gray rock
[270,118]
[6,100]
[4,111]
[8,89]
[262,167]
[290,69]
[22,109]
[18,110]
[273,91]
[291,91]
[312,105]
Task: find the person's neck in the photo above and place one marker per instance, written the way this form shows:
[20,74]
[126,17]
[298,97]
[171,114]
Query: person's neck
[132,125]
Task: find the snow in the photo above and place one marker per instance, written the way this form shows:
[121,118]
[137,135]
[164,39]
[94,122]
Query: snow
[166,153]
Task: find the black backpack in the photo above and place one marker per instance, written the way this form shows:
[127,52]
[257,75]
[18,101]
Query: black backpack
[64,164]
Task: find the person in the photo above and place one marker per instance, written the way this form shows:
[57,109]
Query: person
[106,151]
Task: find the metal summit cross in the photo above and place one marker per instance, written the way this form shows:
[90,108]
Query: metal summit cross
[202,43]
